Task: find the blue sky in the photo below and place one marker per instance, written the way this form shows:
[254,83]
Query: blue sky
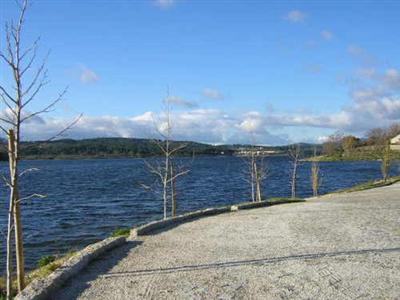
[272,72]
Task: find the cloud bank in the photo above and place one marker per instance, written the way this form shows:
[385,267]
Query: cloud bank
[295,16]
[375,101]
[88,76]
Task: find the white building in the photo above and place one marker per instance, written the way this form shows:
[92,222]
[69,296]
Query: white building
[395,143]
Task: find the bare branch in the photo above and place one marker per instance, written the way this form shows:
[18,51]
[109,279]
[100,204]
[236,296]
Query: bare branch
[4,130]
[28,50]
[154,169]
[11,58]
[31,197]
[159,144]
[182,146]
[8,61]
[6,181]
[72,124]
[12,123]
[178,175]
[28,171]
[47,109]
[3,234]
[39,72]
[5,101]
[7,94]
[36,91]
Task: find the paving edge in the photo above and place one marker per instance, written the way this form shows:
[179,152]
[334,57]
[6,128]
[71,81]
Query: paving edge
[153,227]
[41,289]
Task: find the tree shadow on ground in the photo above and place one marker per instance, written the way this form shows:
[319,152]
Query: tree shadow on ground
[99,266]
[262,261]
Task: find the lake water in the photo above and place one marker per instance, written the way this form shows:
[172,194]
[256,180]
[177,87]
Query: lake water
[89,199]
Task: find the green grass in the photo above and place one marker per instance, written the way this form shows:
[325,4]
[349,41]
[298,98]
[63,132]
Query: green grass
[370,185]
[359,154]
[3,290]
[278,200]
[45,260]
[121,232]
[48,265]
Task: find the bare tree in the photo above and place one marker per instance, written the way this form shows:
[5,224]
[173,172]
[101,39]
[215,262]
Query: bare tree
[249,174]
[394,130]
[166,171]
[260,173]
[294,156]
[28,82]
[376,136]
[349,143]
[332,147]
[379,139]
[255,173]
[315,176]
[386,161]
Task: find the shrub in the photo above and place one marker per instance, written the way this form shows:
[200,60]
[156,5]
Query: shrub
[121,232]
[45,260]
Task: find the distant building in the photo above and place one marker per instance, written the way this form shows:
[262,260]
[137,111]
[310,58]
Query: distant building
[395,143]
[256,152]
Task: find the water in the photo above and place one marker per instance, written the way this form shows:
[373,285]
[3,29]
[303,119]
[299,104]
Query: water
[89,199]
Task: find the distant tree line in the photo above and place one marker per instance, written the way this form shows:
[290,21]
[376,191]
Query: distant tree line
[342,146]
[130,147]
[375,146]
[108,147]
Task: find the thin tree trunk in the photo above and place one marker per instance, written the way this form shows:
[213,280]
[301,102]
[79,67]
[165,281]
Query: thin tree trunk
[253,197]
[9,248]
[258,183]
[19,245]
[173,196]
[19,249]
[294,177]
[165,183]
[165,197]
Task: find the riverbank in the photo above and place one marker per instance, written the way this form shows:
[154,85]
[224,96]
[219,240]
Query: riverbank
[356,156]
[344,246]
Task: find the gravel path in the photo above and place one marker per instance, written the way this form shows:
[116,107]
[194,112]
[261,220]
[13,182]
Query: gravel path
[336,247]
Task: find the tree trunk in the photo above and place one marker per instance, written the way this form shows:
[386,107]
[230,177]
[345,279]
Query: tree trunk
[386,161]
[258,183]
[173,195]
[294,177]
[252,179]
[9,248]
[19,248]
[165,197]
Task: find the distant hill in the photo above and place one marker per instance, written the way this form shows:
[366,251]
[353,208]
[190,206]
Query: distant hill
[129,147]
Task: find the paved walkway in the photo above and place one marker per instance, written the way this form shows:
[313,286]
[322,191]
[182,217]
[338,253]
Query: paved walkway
[339,247]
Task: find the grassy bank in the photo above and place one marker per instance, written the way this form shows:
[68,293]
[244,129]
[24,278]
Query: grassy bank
[370,185]
[46,265]
[358,154]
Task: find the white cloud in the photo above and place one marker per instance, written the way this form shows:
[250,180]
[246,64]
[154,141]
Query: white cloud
[373,105]
[88,76]
[202,125]
[355,50]
[322,139]
[326,35]
[164,3]
[178,101]
[213,94]
[295,16]
[366,73]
